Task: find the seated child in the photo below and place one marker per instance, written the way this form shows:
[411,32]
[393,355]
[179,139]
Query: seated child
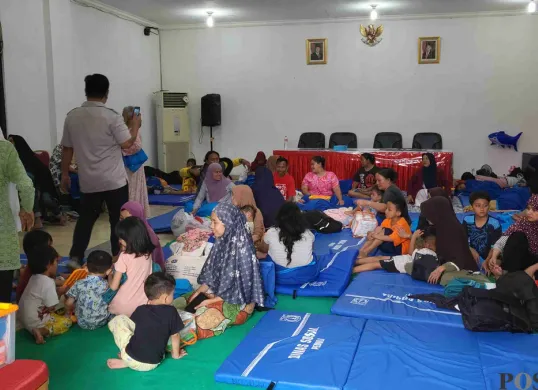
[38,301]
[392,237]
[134,261]
[376,195]
[250,214]
[85,297]
[189,174]
[142,339]
[482,229]
[31,241]
[420,245]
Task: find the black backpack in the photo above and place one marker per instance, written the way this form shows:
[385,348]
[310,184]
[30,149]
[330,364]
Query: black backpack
[423,266]
[492,311]
[322,223]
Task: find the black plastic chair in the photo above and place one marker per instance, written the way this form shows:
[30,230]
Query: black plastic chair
[427,141]
[311,141]
[388,141]
[347,139]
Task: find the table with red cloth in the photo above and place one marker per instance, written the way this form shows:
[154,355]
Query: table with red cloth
[345,164]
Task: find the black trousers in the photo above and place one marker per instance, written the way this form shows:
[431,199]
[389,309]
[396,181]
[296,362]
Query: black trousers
[171,178]
[90,209]
[6,285]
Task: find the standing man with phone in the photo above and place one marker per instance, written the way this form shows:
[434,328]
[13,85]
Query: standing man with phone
[97,135]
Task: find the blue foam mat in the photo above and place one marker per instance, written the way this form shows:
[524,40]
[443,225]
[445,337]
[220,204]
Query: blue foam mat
[170,200]
[327,243]
[332,280]
[295,351]
[403,355]
[162,223]
[381,295]
[62,268]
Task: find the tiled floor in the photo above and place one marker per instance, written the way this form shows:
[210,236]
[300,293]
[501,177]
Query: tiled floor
[63,235]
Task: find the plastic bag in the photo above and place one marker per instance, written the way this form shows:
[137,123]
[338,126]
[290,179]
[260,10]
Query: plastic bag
[180,221]
[363,223]
[187,335]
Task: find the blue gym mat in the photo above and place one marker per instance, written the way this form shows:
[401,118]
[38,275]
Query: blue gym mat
[403,355]
[327,243]
[381,295]
[163,223]
[62,268]
[294,351]
[170,200]
[332,280]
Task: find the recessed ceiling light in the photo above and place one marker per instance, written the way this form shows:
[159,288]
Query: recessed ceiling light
[210,22]
[373,14]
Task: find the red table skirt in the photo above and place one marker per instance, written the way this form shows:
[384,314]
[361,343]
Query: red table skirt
[344,164]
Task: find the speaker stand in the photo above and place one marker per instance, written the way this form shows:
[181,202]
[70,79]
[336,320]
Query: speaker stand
[211,137]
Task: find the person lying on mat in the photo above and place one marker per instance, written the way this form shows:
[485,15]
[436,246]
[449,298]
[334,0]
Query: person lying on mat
[426,178]
[385,179]
[364,179]
[420,245]
[392,237]
[290,241]
[230,281]
[283,180]
[320,184]
[519,244]
[142,339]
[215,188]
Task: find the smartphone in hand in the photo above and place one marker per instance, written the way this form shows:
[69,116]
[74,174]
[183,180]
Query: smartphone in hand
[136,111]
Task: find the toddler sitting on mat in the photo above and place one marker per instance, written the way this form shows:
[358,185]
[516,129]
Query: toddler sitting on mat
[38,301]
[85,297]
[142,339]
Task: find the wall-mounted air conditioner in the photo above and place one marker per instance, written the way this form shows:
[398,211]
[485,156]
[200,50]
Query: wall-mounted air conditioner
[173,130]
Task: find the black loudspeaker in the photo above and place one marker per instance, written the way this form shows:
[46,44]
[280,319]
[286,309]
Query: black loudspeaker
[211,110]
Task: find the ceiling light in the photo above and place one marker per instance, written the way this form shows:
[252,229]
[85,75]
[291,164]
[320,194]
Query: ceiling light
[373,14]
[210,22]
[531,8]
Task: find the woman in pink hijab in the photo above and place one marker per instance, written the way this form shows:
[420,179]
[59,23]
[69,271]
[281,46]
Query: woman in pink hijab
[135,209]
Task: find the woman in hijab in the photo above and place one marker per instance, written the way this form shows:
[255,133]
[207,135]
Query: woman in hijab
[451,240]
[425,179]
[271,163]
[267,196]
[422,221]
[259,161]
[135,209]
[215,188]
[242,196]
[12,171]
[46,197]
[230,280]
[519,244]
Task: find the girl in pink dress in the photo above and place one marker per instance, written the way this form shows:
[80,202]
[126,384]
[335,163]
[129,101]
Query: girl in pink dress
[135,262]
[321,183]
[138,191]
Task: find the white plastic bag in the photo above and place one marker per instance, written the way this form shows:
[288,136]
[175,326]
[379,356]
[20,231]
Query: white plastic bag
[187,335]
[180,221]
[363,223]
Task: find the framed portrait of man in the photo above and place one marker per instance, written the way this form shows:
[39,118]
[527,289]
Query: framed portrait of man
[429,50]
[316,51]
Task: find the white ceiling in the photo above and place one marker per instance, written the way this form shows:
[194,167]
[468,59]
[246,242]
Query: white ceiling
[177,12]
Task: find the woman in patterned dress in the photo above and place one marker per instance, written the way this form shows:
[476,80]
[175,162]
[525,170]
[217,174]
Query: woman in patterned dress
[12,171]
[138,191]
[320,183]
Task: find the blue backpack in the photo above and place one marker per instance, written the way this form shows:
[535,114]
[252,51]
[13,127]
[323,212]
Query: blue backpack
[456,286]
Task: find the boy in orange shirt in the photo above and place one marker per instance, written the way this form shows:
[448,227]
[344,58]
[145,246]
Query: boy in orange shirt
[392,237]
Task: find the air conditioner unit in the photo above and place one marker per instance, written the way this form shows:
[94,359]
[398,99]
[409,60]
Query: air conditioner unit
[173,130]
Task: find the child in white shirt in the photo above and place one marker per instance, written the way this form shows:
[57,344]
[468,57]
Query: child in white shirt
[37,304]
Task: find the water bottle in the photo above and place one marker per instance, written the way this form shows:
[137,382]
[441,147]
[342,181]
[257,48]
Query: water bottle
[286,143]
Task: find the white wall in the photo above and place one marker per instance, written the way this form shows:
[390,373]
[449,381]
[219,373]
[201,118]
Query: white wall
[25,71]
[82,41]
[484,83]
